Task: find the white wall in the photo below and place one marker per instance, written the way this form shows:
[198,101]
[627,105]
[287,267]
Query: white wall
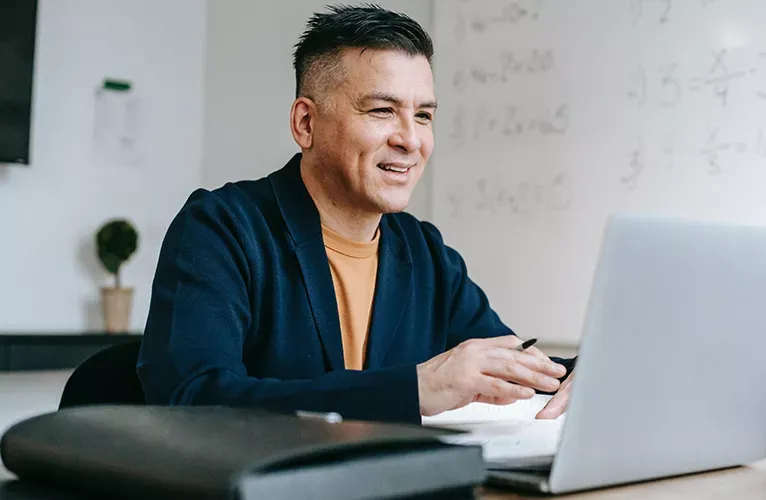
[250,86]
[49,276]
[217,82]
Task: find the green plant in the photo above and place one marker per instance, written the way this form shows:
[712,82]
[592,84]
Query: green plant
[116,241]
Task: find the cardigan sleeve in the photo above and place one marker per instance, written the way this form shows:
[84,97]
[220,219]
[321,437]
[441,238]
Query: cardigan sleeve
[470,313]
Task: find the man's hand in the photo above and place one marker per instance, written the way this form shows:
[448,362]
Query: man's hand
[484,370]
[558,403]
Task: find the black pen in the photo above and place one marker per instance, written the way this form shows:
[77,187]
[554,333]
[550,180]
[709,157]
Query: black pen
[525,345]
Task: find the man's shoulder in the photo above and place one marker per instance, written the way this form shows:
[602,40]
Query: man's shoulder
[251,197]
[241,199]
[243,193]
[244,210]
[415,231]
[425,245]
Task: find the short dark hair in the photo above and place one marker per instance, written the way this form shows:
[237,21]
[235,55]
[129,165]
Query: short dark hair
[366,26]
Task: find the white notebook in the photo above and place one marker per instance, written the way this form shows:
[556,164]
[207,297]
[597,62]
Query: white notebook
[504,432]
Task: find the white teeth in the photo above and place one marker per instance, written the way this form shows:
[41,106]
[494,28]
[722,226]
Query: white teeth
[394,169]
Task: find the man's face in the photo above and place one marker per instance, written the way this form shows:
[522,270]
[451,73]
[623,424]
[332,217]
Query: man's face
[373,136]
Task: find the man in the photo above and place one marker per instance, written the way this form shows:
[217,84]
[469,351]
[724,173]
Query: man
[310,289]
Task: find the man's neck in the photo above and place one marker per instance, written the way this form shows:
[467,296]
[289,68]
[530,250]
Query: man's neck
[339,217]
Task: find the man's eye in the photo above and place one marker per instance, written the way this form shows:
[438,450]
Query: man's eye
[426,117]
[382,111]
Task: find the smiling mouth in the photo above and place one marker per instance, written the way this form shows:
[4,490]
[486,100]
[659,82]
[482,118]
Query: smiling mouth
[391,168]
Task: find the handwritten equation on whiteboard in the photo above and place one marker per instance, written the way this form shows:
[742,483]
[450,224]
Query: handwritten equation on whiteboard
[501,197]
[666,87]
[714,153]
[663,12]
[511,13]
[512,94]
[482,123]
[672,87]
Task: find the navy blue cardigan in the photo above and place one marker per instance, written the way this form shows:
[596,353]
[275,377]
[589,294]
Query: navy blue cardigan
[243,309]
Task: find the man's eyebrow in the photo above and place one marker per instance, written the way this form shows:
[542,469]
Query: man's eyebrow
[382,96]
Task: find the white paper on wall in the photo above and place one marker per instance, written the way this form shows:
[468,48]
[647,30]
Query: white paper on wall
[118,127]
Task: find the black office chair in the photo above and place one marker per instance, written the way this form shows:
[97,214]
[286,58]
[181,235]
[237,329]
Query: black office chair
[107,377]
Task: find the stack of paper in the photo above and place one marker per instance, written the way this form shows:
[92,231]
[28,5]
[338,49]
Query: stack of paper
[504,432]
[525,409]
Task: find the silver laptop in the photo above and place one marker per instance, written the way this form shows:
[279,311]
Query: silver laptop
[671,376]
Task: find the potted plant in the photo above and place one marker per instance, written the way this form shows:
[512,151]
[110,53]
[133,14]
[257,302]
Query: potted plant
[116,241]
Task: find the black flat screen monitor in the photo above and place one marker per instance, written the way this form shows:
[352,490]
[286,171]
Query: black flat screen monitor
[18,26]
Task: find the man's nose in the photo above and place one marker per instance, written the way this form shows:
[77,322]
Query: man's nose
[406,137]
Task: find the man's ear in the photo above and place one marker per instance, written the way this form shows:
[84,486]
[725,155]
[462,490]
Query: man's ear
[302,115]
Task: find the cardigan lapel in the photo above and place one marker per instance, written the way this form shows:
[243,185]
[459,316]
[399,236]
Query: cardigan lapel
[392,292]
[302,219]
[394,277]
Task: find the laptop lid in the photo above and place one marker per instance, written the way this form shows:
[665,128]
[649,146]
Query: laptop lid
[673,355]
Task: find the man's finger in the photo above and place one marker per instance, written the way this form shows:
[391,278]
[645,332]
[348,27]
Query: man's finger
[534,351]
[553,410]
[493,387]
[558,403]
[495,401]
[542,365]
[518,372]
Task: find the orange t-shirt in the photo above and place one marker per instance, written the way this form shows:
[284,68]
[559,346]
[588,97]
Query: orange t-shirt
[354,268]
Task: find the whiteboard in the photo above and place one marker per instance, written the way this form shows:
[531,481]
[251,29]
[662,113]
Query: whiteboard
[555,113]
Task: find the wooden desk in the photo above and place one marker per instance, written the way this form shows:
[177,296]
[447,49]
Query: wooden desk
[742,483]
